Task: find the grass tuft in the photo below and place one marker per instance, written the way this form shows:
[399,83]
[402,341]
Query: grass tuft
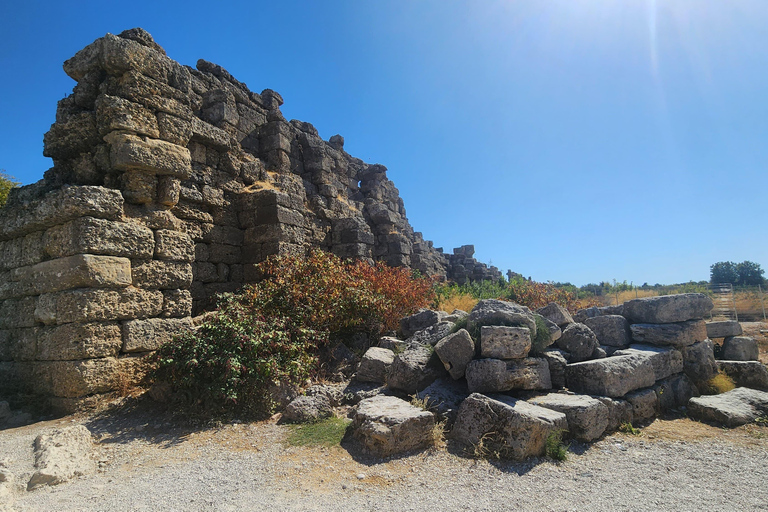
[556,450]
[628,428]
[328,432]
[720,383]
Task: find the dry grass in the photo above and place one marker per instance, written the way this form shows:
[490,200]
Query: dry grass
[462,301]
[720,383]
[610,300]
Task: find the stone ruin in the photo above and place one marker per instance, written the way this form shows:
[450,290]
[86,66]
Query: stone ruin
[169,183]
[505,387]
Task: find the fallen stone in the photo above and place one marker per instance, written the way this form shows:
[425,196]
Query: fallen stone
[667,309]
[355,392]
[666,361]
[444,397]
[61,455]
[374,365]
[587,417]
[304,409]
[556,359]
[496,376]
[674,392]
[501,342]
[456,351]
[619,412]
[579,341]
[748,374]
[431,335]
[723,329]
[554,332]
[414,369]
[699,361]
[420,321]
[644,404]
[733,408]
[499,312]
[613,376]
[393,344]
[611,330]
[679,334]
[556,314]
[387,425]
[740,348]
[513,428]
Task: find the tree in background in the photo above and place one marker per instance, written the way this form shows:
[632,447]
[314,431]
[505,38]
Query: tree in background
[746,273]
[6,184]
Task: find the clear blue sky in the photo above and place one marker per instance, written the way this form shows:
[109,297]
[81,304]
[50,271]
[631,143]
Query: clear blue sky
[571,140]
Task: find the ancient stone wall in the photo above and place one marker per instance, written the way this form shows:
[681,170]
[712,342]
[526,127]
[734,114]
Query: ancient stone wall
[169,183]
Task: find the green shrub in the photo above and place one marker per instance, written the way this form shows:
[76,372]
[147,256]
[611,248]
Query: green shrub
[555,448]
[543,336]
[6,184]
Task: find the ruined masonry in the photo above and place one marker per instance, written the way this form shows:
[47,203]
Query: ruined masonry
[169,183]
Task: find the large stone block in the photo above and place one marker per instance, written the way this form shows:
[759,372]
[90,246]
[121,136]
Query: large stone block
[149,334]
[132,153]
[19,344]
[456,351]
[174,245]
[387,425]
[89,235]
[502,342]
[498,312]
[79,341]
[557,314]
[419,321]
[644,404]
[96,305]
[667,309]
[665,361]
[699,361]
[723,329]
[72,379]
[58,207]
[22,251]
[612,376]
[80,271]
[163,275]
[733,408]
[740,348]
[177,303]
[679,334]
[115,113]
[611,330]
[71,137]
[17,313]
[619,412]
[587,417]
[556,359]
[514,428]
[496,376]
[675,391]
[374,365]
[414,369]
[748,374]
[579,341]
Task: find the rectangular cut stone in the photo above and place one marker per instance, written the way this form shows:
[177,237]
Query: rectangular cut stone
[177,303]
[163,275]
[18,344]
[222,253]
[612,376]
[22,251]
[80,271]
[497,376]
[75,341]
[174,245]
[501,342]
[587,417]
[129,152]
[224,235]
[723,329]
[665,361]
[667,309]
[151,93]
[680,334]
[17,313]
[58,207]
[146,335]
[89,235]
[611,330]
[209,134]
[97,305]
[115,113]
[72,379]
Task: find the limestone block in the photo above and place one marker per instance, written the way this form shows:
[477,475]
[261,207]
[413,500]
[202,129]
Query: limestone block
[619,412]
[421,320]
[444,397]
[62,454]
[138,186]
[498,312]
[733,408]
[374,365]
[611,330]
[556,359]
[557,314]
[387,425]
[173,245]
[58,207]
[666,361]
[149,334]
[587,417]
[307,409]
[177,303]
[740,348]
[456,351]
[501,342]
[129,152]
[72,379]
[613,376]
[67,139]
[679,334]
[229,254]
[79,341]
[674,391]
[414,369]
[723,329]
[80,271]
[119,55]
[89,235]
[555,333]
[667,309]
[229,235]
[168,191]
[699,361]
[748,374]
[174,129]
[19,344]
[644,404]
[17,313]
[163,275]
[579,341]
[93,305]
[514,428]
[115,113]
[22,251]
[496,376]
[209,135]
[391,343]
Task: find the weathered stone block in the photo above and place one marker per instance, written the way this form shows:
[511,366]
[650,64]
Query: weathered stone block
[146,335]
[96,305]
[414,369]
[89,235]
[72,379]
[139,186]
[456,351]
[514,428]
[579,341]
[19,344]
[501,342]
[163,275]
[374,365]
[611,330]
[733,408]
[177,303]
[229,254]
[115,113]
[619,412]
[740,348]
[613,376]
[496,376]
[667,309]
[80,271]
[748,374]
[168,191]
[17,313]
[67,139]
[129,152]
[674,391]
[587,417]
[699,361]
[174,129]
[174,245]
[666,361]
[644,404]
[498,312]
[679,334]
[387,425]
[557,314]
[79,341]
[557,362]
[723,329]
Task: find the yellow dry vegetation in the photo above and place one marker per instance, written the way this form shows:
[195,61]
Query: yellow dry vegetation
[462,301]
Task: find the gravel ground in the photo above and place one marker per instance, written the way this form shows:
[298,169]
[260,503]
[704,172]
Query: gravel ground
[147,462]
